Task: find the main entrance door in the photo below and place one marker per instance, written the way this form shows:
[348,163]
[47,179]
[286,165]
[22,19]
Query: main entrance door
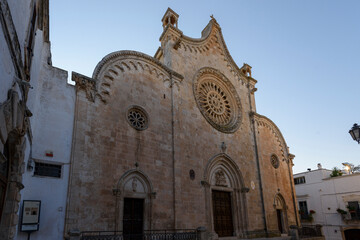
[133,218]
[223,221]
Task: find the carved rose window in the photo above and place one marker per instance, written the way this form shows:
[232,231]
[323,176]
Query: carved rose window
[137,118]
[274,161]
[217,100]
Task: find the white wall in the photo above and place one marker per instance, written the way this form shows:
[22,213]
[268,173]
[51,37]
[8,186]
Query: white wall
[325,195]
[52,105]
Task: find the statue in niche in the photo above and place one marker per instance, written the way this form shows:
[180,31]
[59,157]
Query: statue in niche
[134,184]
[220,179]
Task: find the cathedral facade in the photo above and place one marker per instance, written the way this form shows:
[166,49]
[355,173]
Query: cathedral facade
[174,142]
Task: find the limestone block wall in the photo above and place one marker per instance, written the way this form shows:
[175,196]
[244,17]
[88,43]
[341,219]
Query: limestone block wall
[175,162]
[197,141]
[106,147]
[276,176]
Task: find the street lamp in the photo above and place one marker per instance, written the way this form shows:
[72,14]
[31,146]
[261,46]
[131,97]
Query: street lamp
[355,132]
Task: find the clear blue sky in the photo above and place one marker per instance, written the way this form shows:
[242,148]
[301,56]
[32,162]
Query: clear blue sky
[305,56]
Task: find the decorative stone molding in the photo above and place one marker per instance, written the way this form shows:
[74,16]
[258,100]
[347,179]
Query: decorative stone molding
[211,36]
[204,183]
[118,63]
[133,54]
[263,121]
[246,70]
[223,174]
[86,84]
[220,179]
[217,100]
[134,184]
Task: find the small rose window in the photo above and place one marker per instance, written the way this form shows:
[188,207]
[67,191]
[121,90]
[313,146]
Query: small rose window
[137,118]
[274,161]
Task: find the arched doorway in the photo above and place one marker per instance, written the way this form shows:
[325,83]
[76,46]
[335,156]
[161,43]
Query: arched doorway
[225,197]
[281,214]
[133,203]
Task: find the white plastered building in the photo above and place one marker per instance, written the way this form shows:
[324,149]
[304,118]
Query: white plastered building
[317,191]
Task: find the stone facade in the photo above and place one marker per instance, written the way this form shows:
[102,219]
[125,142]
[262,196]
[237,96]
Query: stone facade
[174,130]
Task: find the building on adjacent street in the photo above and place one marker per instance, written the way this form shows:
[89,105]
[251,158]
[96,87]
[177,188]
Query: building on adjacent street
[332,202]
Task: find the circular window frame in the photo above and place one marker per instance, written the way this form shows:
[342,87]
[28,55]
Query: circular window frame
[226,87]
[143,112]
[275,164]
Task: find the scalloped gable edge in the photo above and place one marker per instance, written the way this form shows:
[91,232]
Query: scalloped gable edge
[117,54]
[257,117]
[206,34]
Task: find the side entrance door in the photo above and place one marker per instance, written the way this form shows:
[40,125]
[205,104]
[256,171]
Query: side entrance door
[223,221]
[133,218]
[280,221]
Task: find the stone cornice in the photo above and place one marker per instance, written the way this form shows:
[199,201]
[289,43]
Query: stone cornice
[86,84]
[170,31]
[118,63]
[210,35]
[266,122]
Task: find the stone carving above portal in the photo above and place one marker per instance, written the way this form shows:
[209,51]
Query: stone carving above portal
[137,118]
[86,84]
[134,185]
[217,100]
[220,179]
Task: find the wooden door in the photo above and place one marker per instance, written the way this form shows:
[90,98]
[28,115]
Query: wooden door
[133,218]
[223,221]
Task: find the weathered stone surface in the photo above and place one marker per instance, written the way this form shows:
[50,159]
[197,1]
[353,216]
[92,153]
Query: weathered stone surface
[108,153]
